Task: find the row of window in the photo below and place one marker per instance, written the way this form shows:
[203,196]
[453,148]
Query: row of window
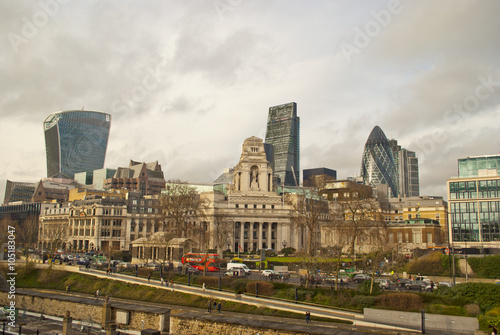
[254,206]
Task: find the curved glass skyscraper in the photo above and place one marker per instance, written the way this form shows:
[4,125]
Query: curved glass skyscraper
[75,141]
[377,165]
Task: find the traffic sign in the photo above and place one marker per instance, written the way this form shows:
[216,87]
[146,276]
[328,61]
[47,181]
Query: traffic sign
[447,250]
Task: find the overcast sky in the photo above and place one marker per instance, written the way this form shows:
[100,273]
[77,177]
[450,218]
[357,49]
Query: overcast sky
[187,81]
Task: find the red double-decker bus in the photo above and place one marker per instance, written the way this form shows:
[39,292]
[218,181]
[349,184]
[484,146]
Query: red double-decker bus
[200,261]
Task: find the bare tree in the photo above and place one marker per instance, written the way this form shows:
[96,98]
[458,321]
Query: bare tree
[356,213]
[309,210]
[222,230]
[54,234]
[337,238]
[181,206]
[27,231]
[4,228]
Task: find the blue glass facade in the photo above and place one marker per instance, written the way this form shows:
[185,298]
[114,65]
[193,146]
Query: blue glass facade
[76,141]
[377,165]
[283,132]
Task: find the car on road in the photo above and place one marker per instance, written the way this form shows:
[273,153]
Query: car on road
[235,272]
[415,285]
[193,270]
[444,283]
[268,273]
[360,277]
[383,283]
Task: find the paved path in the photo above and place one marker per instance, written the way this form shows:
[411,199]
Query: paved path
[300,308]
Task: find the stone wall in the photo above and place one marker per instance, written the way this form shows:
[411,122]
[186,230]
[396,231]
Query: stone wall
[434,322]
[87,309]
[220,324]
[197,323]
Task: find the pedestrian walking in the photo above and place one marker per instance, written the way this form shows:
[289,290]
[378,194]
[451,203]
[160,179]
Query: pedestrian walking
[210,306]
[203,287]
[219,306]
[161,280]
[97,293]
[494,330]
[215,305]
[149,277]
[308,317]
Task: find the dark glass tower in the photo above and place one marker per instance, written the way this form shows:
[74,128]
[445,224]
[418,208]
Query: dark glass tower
[282,132]
[377,165]
[75,141]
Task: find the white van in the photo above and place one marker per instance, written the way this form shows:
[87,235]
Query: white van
[239,265]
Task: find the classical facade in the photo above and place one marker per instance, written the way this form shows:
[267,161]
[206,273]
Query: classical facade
[260,217]
[435,208]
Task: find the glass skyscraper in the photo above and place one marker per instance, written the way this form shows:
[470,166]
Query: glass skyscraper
[75,141]
[406,163]
[377,165]
[283,126]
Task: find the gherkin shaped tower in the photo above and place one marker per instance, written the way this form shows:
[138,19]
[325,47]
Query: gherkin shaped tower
[377,165]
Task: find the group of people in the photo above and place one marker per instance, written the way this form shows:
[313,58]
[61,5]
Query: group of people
[214,305]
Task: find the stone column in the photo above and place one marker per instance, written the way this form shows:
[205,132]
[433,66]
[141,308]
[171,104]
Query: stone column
[67,321]
[106,314]
[260,236]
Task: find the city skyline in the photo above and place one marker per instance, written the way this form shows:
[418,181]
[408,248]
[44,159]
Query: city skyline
[187,82]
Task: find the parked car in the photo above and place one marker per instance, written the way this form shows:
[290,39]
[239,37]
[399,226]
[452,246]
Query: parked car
[82,261]
[360,277]
[402,281]
[190,269]
[415,285]
[383,283]
[153,265]
[268,273]
[444,283]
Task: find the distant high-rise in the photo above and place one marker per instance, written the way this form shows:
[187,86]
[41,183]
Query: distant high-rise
[407,167]
[377,165]
[75,141]
[283,126]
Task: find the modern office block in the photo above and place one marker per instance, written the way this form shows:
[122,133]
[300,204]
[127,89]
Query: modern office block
[75,141]
[377,165]
[474,203]
[406,163]
[313,176]
[283,132]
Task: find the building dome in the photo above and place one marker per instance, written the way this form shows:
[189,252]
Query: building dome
[377,165]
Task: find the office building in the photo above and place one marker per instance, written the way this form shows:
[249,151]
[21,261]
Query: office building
[318,175]
[146,178]
[18,191]
[474,203]
[283,133]
[377,165]
[406,163]
[75,141]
